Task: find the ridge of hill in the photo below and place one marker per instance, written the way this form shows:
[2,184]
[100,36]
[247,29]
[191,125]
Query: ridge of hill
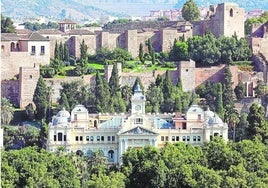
[101,9]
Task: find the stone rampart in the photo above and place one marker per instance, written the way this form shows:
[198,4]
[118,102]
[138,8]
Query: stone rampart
[10,90]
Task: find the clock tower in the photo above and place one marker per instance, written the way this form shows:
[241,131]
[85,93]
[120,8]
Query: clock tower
[138,101]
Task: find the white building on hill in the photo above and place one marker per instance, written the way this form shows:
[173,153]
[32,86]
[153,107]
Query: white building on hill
[114,134]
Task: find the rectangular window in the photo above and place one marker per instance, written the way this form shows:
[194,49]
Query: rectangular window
[173,138]
[108,138]
[87,138]
[98,138]
[166,138]
[55,137]
[76,138]
[184,125]
[177,138]
[138,121]
[188,138]
[92,138]
[42,50]
[194,138]
[33,50]
[199,138]
[162,138]
[64,138]
[184,138]
[102,138]
[81,138]
[59,136]
[113,138]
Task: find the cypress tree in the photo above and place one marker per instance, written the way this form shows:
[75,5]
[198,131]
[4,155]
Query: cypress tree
[227,96]
[151,50]
[40,99]
[114,81]
[167,90]
[167,87]
[218,102]
[56,52]
[66,54]
[179,84]
[141,53]
[117,102]
[159,81]
[102,94]
[61,52]
[83,50]
[64,102]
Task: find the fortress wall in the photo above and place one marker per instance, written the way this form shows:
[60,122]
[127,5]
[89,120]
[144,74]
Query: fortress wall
[214,74]
[52,41]
[10,90]
[10,65]
[167,39]
[257,30]
[109,40]
[259,45]
[142,37]
[90,41]
[199,27]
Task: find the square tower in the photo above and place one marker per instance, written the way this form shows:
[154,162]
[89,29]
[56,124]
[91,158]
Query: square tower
[229,19]
[186,71]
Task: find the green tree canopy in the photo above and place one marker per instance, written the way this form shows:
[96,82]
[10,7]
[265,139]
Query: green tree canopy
[7,25]
[7,111]
[190,11]
[40,98]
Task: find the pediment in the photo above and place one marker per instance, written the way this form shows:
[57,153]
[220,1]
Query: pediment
[138,131]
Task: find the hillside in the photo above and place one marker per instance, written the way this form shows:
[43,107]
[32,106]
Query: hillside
[100,9]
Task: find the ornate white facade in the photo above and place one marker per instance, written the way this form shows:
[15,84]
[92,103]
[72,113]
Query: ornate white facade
[114,134]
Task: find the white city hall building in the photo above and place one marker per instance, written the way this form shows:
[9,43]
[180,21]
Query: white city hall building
[114,134]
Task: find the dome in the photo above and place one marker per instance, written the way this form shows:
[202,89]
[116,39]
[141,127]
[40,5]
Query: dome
[208,113]
[79,108]
[62,117]
[215,120]
[195,109]
[63,113]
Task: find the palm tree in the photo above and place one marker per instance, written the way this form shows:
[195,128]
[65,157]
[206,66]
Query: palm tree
[232,119]
[7,111]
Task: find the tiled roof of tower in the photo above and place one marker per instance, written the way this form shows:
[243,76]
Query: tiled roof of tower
[66,21]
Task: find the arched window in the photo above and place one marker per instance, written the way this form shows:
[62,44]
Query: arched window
[231,12]
[95,124]
[18,46]
[111,156]
[12,46]
[2,48]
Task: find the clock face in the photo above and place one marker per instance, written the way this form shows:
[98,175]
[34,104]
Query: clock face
[137,107]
